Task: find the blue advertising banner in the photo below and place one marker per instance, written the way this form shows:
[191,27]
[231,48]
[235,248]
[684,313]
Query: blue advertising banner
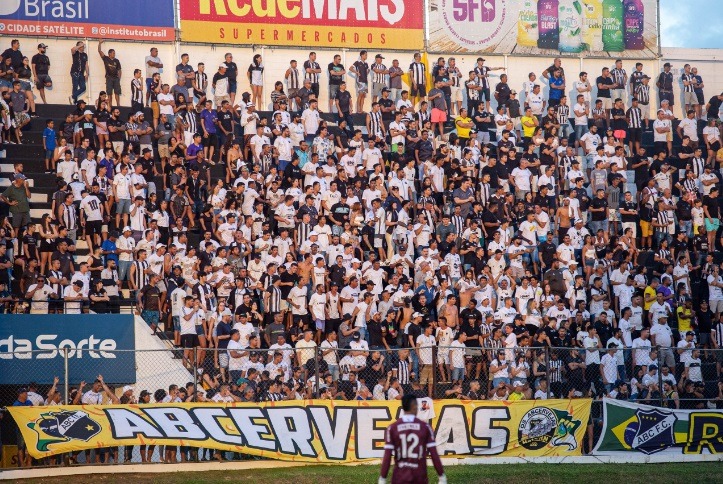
[106,19]
[32,348]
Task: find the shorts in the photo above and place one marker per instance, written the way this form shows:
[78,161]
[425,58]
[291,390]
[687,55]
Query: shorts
[200,331]
[620,134]
[189,341]
[21,219]
[150,317]
[362,88]
[223,359]
[293,93]
[333,90]
[320,324]
[645,110]
[635,135]
[457,374]
[690,98]
[438,116]
[101,128]
[613,215]
[48,154]
[232,86]
[425,374]
[456,93]
[176,323]
[210,141]
[21,119]
[284,306]
[713,225]
[646,229]
[199,94]
[163,150]
[443,357]
[113,85]
[123,205]
[418,90]
[377,89]
[44,81]
[93,228]
[607,103]
[485,93]
[156,109]
[473,352]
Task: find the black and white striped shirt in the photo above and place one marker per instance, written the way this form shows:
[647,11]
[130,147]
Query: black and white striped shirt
[375,123]
[379,78]
[642,92]
[482,76]
[419,73]
[140,278]
[70,217]
[688,78]
[312,76]
[484,194]
[555,371]
[57,287]
[423,117]
[201,81]
[719,334]
[189,117]
[563,114]
[664,220]
[137,91]
[458,223]
[619,76]
[635,118]
[698,165]
[293,79]
[403,372]
[274,299]
[302,233]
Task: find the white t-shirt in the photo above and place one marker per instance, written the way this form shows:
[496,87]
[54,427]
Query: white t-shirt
[660,123]
[91,206]
[165,109]
[234,364]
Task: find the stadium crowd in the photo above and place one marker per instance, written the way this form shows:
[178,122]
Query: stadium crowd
[473,237]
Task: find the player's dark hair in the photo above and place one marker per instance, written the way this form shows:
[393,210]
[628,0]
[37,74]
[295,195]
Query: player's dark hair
[408,401]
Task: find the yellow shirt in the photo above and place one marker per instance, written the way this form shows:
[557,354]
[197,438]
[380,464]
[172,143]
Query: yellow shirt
[515,396]
[462,132]
[526,130]
[649,291]
[684,324]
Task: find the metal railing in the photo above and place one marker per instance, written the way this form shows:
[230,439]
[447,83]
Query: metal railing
[655,376]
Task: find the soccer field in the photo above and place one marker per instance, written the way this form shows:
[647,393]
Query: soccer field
[522,473]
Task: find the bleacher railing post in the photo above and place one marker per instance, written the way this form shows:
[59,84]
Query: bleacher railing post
[66,377]
[547,371]
[317,354]
[195,372]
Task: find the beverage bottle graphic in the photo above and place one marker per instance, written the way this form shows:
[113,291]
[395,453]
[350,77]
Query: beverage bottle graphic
[570,19]
[634,19]
[592,25]
[549,34]
[612,26]
[527,24]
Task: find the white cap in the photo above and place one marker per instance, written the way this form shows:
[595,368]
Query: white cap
[87,111]
[127,229]
[127,388]
[355,261]
[416,315]
[223,66]
[226,312]
[313,232]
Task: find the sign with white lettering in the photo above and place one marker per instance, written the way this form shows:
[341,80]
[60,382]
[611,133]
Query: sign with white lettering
[95,19]
[308,431]
[357,24]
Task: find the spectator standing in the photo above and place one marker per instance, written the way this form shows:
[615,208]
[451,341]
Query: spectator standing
[41,66]
[113,73]
[78,71]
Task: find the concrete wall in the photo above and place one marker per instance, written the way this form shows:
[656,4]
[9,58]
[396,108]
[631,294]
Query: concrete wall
[276,61]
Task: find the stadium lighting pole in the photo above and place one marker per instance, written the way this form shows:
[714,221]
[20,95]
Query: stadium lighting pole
[65,371]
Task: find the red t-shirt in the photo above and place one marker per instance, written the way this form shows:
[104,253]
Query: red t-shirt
[410,439]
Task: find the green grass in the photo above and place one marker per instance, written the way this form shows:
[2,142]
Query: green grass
[507,474]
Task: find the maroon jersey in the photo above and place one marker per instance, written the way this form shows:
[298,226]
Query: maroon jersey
[410,439]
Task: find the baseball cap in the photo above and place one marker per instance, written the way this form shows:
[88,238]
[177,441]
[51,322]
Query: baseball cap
[223,66]
[690,333]
[416,315]
[87,111]
[127,388]
[357,336]
[19,176]
[652,367]
[139,113]
[42,46]
[127,229]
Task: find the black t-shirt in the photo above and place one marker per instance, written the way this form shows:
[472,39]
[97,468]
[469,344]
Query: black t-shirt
[100,307]
[112,67]
[712,204]
[335,80]
[362,69]
[42,63]
[631,205]
[226,119]
[619,123]
[80,60]
[413,330]
[714,106]
[117,135]
[231,71]
[387,103]
[344,98]
[4,274]
[607,81]
[447,90]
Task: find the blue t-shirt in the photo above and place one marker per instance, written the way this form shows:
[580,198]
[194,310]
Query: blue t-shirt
[193,149]
[556,82]
[26,403]
[209,118]
[110,246]
[49,137]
